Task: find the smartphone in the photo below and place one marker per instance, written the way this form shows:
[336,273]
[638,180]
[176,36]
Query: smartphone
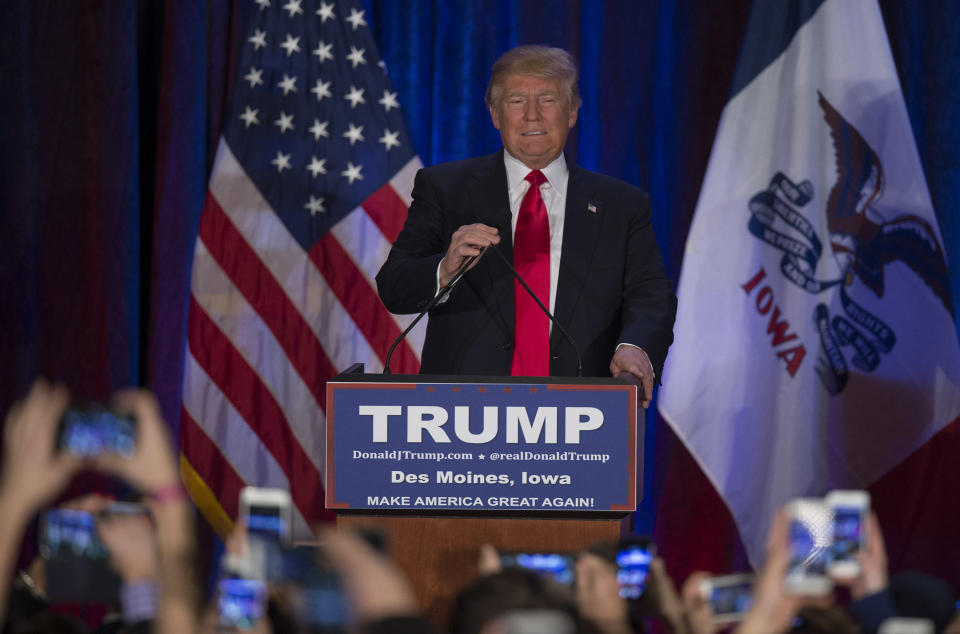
[810,536]
[730,596]
[78,563]
[266,512]
[559,566]
[311,586]
[903,625]
[241,602]
[634,555]
[125,508]
[850,510]
[90,432]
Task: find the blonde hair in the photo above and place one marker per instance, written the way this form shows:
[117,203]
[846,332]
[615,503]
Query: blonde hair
[535,61]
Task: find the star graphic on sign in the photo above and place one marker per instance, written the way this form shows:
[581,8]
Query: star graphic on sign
[315,205]
[291,45]
[282,161]
[389,100]
[289,84]
[263,4]
[254,76]
[356,57]
[323,51]
[319,129]
[355,133]
[259,39]
[317,166]
[356,19]
[321,90]
[325,12]
[355,96]
[352,172]
[249,117]
[285,122]
[293,7]
[389,139]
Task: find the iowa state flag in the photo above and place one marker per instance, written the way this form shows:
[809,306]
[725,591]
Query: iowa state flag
[815,339]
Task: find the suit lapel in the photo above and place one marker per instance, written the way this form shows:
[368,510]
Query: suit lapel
[492,207]
[581,230]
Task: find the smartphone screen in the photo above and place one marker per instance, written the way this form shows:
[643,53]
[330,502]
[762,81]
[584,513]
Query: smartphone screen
[847,531]
[77,562]
[556,565]
[730,600]
[71,533]
[810,537]
[313,589]
[267,520]
[241,602]
[633,565]
[90,432]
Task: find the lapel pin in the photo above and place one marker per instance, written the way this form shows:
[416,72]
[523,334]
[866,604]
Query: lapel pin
[591,208]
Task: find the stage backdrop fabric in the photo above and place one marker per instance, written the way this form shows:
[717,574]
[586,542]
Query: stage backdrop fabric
[112,112]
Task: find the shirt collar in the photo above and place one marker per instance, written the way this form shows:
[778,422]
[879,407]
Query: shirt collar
[517,171]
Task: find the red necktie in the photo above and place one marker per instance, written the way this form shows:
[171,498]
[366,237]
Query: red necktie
[531,257]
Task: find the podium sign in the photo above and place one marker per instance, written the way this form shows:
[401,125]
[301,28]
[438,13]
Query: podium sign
[411,444]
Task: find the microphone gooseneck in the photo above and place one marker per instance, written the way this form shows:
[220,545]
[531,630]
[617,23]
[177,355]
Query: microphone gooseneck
[433,302]
[563,331]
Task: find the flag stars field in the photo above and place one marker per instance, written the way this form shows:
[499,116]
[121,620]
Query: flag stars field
[325,12]
[354,133]
[356,56]
[356,19]
[389,100]
[352,173]
[355,96]
[255,77]
[291,45]
[323,52]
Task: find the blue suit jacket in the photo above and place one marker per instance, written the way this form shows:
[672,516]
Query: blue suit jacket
[611,289]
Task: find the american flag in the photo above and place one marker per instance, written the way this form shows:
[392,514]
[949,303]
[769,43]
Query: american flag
[309,189]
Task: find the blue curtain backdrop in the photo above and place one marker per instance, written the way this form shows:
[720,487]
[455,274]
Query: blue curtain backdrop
[111,112]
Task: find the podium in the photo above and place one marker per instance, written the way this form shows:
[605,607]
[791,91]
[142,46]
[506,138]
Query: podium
[442,465]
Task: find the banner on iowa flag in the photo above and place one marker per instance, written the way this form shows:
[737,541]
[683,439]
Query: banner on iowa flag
[309,189]
[815,341]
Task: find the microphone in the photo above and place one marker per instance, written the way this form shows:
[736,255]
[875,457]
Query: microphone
[563,331]
[433,302]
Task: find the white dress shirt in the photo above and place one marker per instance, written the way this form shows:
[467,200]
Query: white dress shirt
[554,194]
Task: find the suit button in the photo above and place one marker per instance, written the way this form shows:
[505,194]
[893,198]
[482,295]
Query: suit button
[507,345]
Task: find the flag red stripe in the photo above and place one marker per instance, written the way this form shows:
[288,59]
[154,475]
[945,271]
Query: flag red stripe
[244,268]
[387,211]
[362,302]
[254,402]
[207,460]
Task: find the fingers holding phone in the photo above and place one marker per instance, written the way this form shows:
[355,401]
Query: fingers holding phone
[33,470]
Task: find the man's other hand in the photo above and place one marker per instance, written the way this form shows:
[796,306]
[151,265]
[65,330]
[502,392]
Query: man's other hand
[466,242]
[634,360]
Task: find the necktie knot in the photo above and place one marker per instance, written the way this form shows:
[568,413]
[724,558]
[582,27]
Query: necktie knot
[536,178]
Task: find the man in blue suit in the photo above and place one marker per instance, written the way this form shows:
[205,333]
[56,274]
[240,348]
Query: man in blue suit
[584,241]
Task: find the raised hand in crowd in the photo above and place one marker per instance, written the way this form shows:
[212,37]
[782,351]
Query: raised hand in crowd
[598,595]
[697,611]
[661,600]
[153,470]
[33,471]
[774,608]
[379,595]
[132,545]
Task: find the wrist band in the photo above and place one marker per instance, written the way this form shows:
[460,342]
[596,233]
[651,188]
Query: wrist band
[169,493]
